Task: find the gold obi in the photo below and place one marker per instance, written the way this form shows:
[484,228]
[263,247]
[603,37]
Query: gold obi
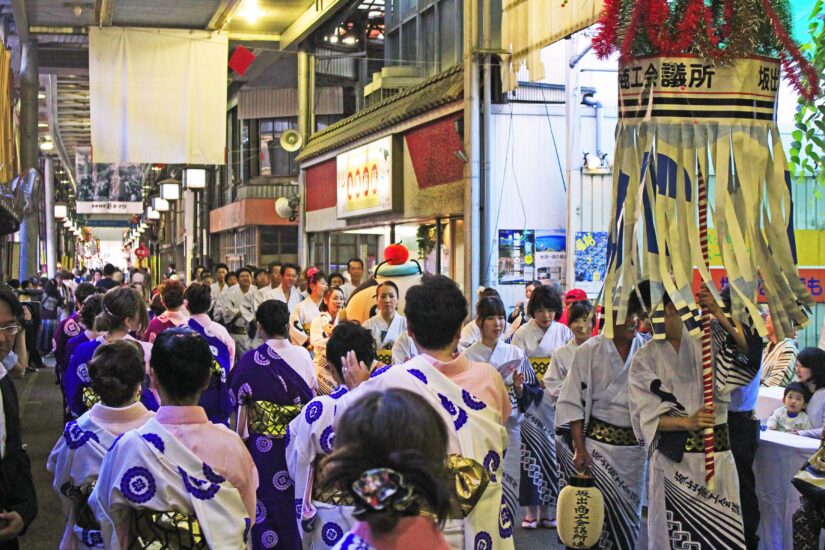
[267,418]
[540,365]
[152,530]
[384,356]
[471,479]
[329,495]
[604,432]
[89,397]
[721,440]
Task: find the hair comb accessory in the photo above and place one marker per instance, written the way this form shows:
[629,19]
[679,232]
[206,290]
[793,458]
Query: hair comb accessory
[311,272]
[107,312]
[382,489]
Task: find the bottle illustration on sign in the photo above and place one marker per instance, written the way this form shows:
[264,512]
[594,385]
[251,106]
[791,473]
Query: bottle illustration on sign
[349,186]
[366,181]
[374,179]
[357,183]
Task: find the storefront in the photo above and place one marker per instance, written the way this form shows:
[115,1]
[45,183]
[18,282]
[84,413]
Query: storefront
[392,173]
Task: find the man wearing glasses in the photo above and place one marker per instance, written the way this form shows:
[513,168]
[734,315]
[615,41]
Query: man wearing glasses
[18,503]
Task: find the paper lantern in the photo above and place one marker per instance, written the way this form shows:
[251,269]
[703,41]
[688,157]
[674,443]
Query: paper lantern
[580,513]
[159,204]
[169,190]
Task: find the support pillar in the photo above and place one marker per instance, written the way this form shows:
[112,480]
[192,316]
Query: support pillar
[51,231]
[306,127]
[29,150]
[472,149]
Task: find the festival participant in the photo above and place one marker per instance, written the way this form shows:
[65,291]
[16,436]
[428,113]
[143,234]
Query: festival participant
[288,292]
[324,516]
[778,359]
[390,450]
[471,397]
[387,324]
[174,315]
[117,370]
[18,500]
[668,414]
[522,386]
[69,328]
[595,389]
[320,331]
[539,339]
[403,350]
[571,297]
[91,308]
[270,392]
[261,277]
[301,317]
[471,333]
[580,321]
[336,280]
[274,275]
[355,270]
[232,279]
[123,311]
[810,370]
[215,398]
[179,479]
[519,316]
[229,310]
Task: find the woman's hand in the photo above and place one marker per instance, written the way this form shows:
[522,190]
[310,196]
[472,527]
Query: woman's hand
[518,383]
[355,372]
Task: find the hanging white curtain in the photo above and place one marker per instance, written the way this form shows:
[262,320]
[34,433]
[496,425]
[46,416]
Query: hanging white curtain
[527,26]
[158,95]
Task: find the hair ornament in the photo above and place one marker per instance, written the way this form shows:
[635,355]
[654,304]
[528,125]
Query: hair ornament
[383,489]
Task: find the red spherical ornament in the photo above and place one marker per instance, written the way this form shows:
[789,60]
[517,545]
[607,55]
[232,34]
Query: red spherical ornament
[396,254]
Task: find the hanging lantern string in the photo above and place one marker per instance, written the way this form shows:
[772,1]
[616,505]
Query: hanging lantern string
[707,357]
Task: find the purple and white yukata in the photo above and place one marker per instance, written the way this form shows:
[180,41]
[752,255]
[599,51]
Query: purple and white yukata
[215,398]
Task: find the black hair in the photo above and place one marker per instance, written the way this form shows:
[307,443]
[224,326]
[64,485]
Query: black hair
[488,293]
[814,360]
[241,270]
[222,265]
[198,298]
[327,293]
[273,264]
[545,297]
[287,265]
[336,274]
[7,295]
[171,292]
[350,336]
[798,387]
[394,429]
[359,260]
[231,274]
[435,310]
[119,304]
[273,318]
[316,278]
[181,361]
[108,270]
[490,306]
[260,271]
[534,283]
[387,283]
[117,369]
[14,283]
[156,305]
[579,309]
[205,273]
[83,291]
[91,308]
[25,284]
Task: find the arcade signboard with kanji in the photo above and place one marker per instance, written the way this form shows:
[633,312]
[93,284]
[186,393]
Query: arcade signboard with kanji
[369,179]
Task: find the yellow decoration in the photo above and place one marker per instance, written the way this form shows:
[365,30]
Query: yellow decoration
[580,513]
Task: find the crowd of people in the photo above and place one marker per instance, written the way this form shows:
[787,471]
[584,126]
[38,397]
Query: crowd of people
[244,409]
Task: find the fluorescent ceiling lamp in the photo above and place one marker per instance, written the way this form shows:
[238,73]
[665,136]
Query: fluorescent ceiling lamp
[159,204]
[170,191]
[60,211]
[251,11]
[195,178]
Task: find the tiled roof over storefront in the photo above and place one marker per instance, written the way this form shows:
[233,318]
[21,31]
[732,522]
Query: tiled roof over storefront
[443,88]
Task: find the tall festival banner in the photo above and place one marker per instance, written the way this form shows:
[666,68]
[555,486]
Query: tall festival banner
[107,188]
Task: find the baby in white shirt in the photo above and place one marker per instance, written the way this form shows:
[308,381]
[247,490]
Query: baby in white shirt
[792,417]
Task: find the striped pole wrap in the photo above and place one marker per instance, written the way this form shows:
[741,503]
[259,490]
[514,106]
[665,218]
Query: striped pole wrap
[707,357]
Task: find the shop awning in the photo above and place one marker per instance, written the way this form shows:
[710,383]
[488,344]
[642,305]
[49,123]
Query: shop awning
[443,88]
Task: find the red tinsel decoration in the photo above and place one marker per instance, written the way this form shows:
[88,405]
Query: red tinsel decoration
[728,16]
[641,7]
[604,43]
[793,61]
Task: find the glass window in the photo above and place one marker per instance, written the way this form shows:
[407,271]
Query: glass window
[449,24]
[427,42]
[409,54]
[393,48]
[274,160]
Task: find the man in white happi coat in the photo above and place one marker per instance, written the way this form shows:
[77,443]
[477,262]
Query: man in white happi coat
[594,401]
[230,311]
[220,286]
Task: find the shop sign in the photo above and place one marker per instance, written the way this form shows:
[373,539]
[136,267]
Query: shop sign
[812,277]
[368,181]
[107,188]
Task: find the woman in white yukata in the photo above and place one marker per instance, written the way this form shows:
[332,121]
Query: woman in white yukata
[116,371]
[319,332]
[519,378]
[471,333]
[308,309]
[539,339]
[581,321]
[386,325]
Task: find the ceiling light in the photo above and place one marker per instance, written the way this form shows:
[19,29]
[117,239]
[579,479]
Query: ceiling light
[333,39]
[42,124]
[41,95]
[46,145]
[251,11]
[350,40]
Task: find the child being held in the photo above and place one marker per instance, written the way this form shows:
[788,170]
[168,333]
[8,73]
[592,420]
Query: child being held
[792,417]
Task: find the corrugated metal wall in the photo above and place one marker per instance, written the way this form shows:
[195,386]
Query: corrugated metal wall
[283,102]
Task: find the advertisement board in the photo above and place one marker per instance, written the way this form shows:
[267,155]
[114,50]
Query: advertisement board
[367,179]
[107,188]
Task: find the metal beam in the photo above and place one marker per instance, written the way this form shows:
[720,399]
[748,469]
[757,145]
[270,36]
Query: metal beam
[235,36]
[21,19]
[308,21]
[225,12]
[104,11]
[55,127]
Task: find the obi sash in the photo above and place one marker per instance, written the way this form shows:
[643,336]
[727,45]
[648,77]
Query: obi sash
[165,530]
[89,397]
[384,356]
[721,440]
[540,365]
[604,432]
[267,418]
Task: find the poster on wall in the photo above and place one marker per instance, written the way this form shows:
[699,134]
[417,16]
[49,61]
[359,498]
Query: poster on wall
[107,188]
[365,180]
[591,260]
[516,261]
[551,255]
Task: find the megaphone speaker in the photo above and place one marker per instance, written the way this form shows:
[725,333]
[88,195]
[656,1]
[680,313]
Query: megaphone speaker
[291,140]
